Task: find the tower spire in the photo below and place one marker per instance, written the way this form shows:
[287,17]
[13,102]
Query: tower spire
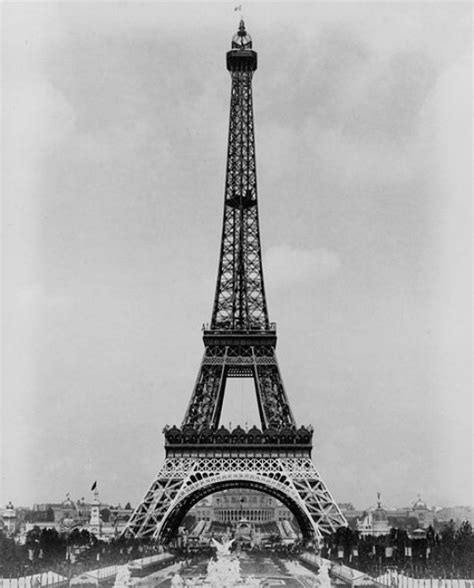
[240,302]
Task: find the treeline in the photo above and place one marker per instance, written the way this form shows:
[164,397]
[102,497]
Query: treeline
[68,554]
[448,553]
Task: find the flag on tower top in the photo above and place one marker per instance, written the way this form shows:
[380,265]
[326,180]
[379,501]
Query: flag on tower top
[239,7]
[94,486]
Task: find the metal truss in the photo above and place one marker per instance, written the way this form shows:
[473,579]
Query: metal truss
[240,306]
[221,362]
[240,295]
[183,482]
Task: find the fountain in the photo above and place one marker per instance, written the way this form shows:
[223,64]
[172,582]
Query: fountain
[323,575]
[123,577]
[223,572]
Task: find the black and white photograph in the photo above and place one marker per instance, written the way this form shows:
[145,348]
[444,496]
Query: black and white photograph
[236,294]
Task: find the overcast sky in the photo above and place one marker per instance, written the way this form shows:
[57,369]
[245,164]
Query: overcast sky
[115,131]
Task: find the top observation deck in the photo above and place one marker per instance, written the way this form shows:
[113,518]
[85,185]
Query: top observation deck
[241,57]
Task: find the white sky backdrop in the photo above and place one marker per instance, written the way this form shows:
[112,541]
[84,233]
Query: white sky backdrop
[115,128]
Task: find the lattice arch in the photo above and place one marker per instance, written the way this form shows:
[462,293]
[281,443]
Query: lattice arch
[181,483]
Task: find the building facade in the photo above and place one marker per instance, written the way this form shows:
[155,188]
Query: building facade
[103,520]
[233,505]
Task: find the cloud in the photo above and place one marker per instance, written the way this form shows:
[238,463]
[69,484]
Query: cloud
[356,116]
[289,265]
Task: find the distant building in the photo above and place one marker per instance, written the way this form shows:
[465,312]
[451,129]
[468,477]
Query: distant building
[64,511]
[346,506]
[282,513]
[456,513]
[9,520]
[231,506]
[203,511]
[375,522]
[351,513]
[418,515]
[103,520]
[422,513]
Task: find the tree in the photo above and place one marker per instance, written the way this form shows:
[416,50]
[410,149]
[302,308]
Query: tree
[33,537]
[448,532]
[52,544]
[464,547]
[85,537]
[430,535]
[8,555]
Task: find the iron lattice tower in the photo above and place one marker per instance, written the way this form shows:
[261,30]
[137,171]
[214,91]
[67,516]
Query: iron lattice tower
[201,456]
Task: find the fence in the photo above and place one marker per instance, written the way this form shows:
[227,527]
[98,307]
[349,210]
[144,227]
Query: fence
[311,558]
[397,580]
[35,581]
[55,580]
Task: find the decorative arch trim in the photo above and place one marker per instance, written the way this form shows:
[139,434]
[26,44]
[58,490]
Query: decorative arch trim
[196,492]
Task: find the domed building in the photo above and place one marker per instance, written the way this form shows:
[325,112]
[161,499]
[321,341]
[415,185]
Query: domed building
[67,513]
[422,513]
[375,522]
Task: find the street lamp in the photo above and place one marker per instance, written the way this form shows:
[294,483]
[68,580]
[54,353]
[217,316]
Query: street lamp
[242,500]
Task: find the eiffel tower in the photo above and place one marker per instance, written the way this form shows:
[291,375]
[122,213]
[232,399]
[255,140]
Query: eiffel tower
[201,456]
